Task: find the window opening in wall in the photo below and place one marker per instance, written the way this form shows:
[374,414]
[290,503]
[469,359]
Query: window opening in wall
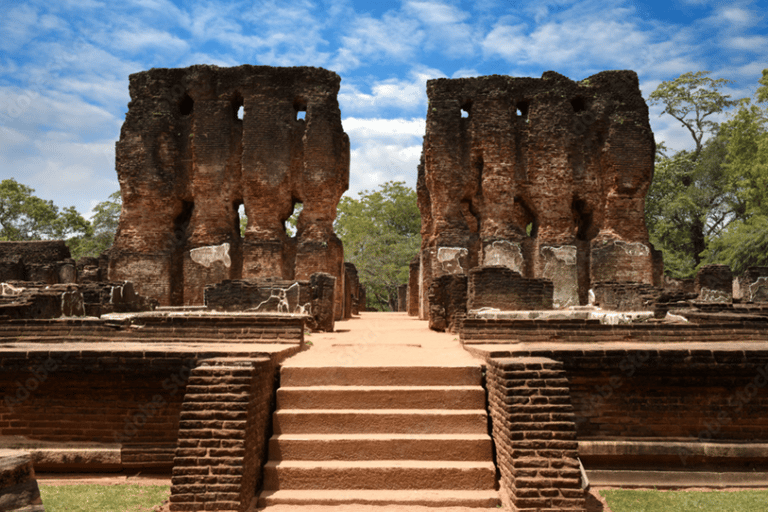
[291,223]
[522,109]
[241,221]
[466,108]
[300,106]
[237,106]
[186,105]
[578,105]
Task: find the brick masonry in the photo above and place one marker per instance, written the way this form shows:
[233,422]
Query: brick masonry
[18,486]
[223,433]
[535,435]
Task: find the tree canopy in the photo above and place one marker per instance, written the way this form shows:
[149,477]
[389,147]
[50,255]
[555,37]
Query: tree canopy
[24,216]
[708,205]
[381,232]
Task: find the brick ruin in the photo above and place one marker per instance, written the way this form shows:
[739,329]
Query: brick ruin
[187,160]
[527,203]
[546,177]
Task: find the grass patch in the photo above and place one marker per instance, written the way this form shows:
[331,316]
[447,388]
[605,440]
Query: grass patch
[104,498]
[621,500]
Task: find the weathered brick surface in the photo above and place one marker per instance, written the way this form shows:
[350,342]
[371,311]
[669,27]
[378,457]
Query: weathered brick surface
[502,288]
[535,435]
[545,176]
[186,162]
[224,427]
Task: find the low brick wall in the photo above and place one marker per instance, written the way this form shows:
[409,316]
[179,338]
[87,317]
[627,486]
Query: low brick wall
[223,435]
[535,435]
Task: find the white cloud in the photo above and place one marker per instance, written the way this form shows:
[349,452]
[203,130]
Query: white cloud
[757,44]
[445,26]
[369,39]
[383,150]
[403,95]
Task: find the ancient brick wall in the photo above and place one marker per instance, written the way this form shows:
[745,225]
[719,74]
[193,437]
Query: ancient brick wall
[186,161]
[714,283]
[448,303]
[127,399]
[546,176]
[223,435]
[413,287]
[502,288]
[535,436]
[43,261]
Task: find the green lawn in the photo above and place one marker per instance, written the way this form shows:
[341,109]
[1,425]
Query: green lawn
[103,498]
[621,500]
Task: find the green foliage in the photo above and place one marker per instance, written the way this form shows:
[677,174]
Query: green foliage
[692,98]
[692,199]
[381,234]
[104,226]
[621,500]
[744,244]
[104,498]
[24,216]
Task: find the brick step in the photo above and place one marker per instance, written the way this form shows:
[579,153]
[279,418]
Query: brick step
[381,397]
[425,498]
[398,474]
[214,406]
[382,421]
[233,388]
[380,447]
[381,376]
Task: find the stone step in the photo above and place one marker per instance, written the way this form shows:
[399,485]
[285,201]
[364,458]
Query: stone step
[425,498]
[380,447]
[398,475]
[380,421]
[381,397]
[381,376]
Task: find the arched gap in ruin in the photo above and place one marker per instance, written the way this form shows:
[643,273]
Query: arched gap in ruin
[181,235]
[583,218]
[300,108]
[585,231]
[466,109]
[525,217]
[290,223]
[522,109]
[241,220]
[237,106]
[186,105]
[578,104]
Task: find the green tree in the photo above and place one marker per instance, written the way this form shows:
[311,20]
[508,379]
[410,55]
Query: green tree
[381,232]
[690,202]
[104,223]
[24,216]
[745,241]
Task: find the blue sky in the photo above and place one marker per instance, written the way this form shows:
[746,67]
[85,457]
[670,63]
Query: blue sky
[64,65]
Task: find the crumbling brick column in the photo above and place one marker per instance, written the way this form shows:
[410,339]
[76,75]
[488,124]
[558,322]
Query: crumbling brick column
[546,176]
[223,435]
[535,435]
[187,159]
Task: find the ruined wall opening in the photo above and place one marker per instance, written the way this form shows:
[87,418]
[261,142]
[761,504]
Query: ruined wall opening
[241,220]
[181,235]
[583,219]
[578,105]
[237,106]
[300,109]
[521,109]
[186,105]
[466,109]
[291,223]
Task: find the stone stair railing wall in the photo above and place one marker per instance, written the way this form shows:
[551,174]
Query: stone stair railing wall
[222,435]
[535,435]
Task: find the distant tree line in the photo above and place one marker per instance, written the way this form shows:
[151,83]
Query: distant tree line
[24,216]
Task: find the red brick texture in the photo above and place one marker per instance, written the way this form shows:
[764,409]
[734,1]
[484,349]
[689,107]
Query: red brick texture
[222,435]
[535,435]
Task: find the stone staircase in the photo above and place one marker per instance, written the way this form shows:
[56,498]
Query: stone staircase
[380,436]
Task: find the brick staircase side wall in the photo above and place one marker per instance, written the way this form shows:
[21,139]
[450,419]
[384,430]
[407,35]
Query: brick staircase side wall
[535,435]
[222,448]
